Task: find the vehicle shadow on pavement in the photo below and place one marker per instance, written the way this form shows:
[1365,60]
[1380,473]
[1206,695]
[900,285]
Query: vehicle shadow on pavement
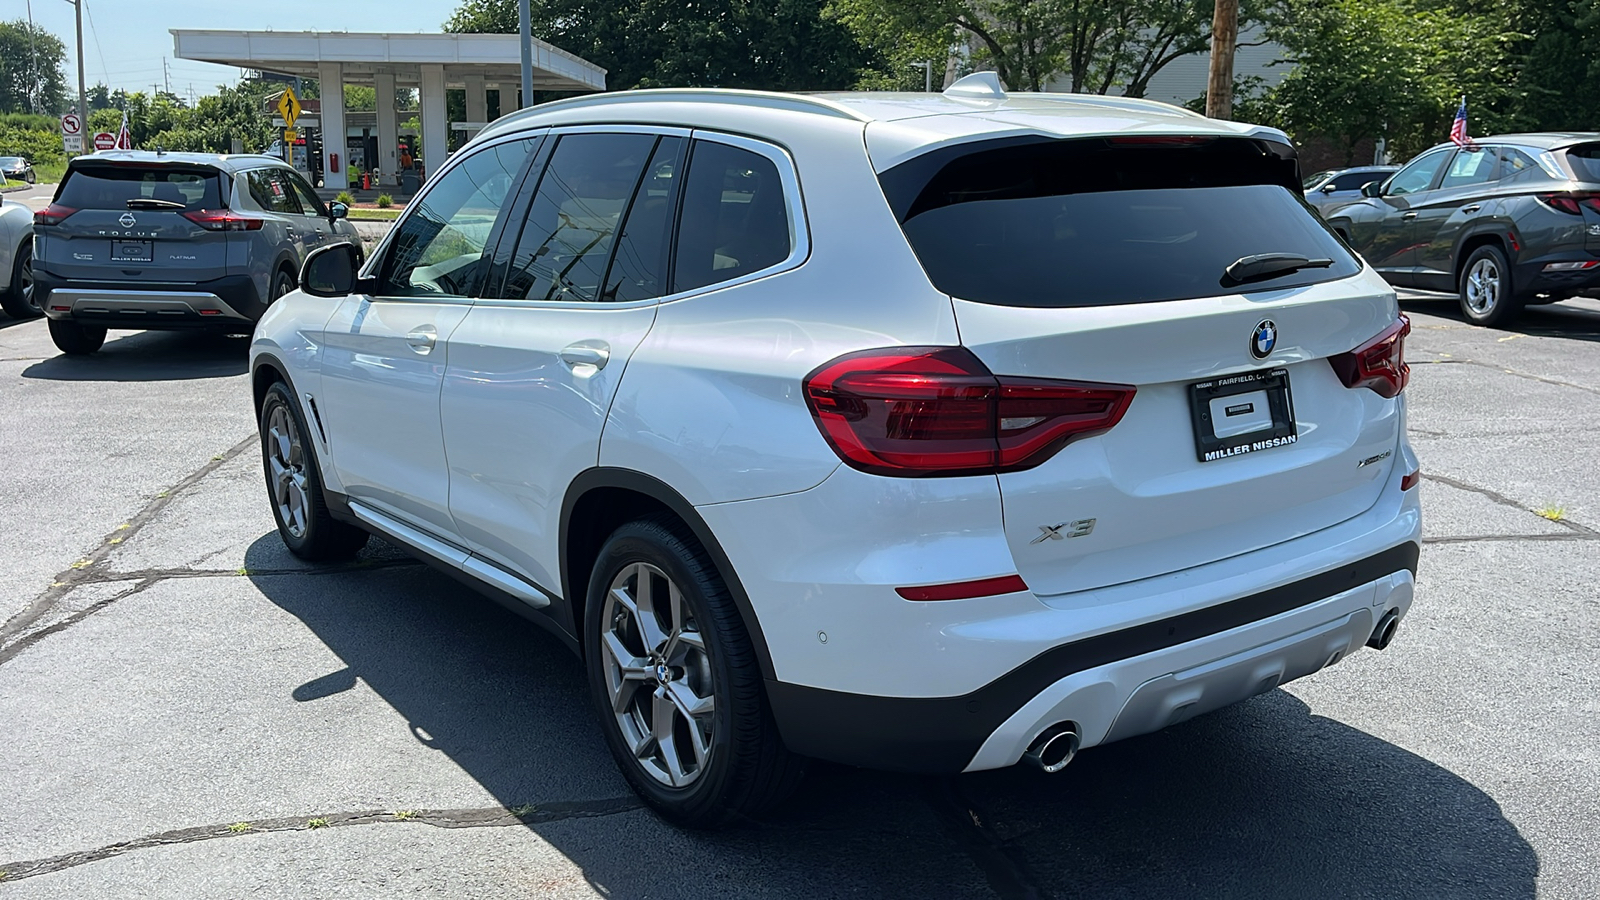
[1560,320]
[1260,800]
[151,356]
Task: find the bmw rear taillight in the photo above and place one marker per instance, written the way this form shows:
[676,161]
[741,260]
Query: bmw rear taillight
[923,411]
[54,214]
[222,220]
[1571,203]
[1379,364]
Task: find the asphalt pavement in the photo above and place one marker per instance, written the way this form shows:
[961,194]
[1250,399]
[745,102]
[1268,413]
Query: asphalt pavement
[187,710]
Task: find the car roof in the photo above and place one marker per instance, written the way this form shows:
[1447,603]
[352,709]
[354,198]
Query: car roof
[230,162]
[900,125]
[1539,140]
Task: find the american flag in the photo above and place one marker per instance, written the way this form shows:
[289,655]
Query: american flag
[1458,131]
[124,138]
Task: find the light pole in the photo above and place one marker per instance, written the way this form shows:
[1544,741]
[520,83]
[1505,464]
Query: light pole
[927,74]
[525,28]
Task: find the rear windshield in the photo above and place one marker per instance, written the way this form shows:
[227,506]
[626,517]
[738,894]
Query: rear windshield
[1099,223]
[1585,162]
[103,187]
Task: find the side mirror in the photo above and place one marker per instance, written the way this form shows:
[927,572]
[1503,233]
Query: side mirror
[1372,189]
[331,271]
[337,210]
[1328,188]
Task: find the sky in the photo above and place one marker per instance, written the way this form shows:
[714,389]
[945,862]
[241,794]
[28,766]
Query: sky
[125,41]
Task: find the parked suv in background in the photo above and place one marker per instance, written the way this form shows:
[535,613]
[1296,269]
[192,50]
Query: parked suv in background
[921,432]
[173,241]
[16,261]
[1332,187]
[1511,220]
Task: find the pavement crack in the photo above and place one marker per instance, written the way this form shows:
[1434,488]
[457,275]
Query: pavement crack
[156,575]
[1511,538]
[82,570]
[1503,500]
[1513,372]
[1001,861]
[480,817]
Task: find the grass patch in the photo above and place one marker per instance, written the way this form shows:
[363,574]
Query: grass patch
[317,823]
[374,215]
[239,827]
[384,201]
[405,815]
[1553,513]
[523,811]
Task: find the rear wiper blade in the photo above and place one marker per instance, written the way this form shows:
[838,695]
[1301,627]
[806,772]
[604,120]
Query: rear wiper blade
[1262,266]
[151,203]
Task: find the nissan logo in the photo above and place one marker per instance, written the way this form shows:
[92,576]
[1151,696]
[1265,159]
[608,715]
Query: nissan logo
[127,220]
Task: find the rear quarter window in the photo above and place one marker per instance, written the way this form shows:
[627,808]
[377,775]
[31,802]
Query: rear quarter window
[1097,223]
[105,187]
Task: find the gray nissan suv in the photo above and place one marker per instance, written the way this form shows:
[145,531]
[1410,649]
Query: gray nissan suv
[174,241]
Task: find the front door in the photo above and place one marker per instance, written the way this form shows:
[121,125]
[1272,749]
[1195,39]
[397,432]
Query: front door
[385,354]
[533,371]
[1393,250]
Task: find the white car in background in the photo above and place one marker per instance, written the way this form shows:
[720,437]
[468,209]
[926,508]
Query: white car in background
[930,433]
[16,261]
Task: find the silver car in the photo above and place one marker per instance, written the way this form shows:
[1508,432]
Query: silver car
[1332,187]
[174,241]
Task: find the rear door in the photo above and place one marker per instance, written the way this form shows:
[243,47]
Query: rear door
[131,222]
[313,223]
[532,371]
[384,354]
[1240,434]
[1446,212]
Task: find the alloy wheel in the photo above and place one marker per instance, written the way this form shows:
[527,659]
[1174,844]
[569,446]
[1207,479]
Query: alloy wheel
[1483,286]
[658,674]
[25,278]
[286,463]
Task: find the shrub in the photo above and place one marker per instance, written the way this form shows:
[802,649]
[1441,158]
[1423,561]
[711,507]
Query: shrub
[385,201]
[345,197]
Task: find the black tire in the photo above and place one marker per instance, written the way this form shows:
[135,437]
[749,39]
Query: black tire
[1486,293]
[747,768]
[74,339]
[282,283]
[18,299]
[313,534]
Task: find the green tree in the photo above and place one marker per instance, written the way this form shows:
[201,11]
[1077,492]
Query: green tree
[30,69]
[1391,69]
[764,44]
[1560,75]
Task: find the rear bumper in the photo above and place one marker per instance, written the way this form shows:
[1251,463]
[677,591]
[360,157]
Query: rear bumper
[232,301]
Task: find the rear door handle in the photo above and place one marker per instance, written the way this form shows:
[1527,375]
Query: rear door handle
[1471,209]
[587,353]
[422,340]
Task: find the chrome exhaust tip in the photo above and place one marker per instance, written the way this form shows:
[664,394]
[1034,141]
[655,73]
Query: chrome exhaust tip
[1054,747]
[1384,633]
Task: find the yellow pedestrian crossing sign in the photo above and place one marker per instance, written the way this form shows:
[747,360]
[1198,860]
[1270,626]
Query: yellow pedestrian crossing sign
[289,107]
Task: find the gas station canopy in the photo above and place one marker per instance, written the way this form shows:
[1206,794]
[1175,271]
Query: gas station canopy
[431,63]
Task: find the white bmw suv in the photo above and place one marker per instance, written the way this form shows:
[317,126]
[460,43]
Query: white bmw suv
[923,432]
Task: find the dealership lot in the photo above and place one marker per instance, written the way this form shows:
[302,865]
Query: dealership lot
[168,670]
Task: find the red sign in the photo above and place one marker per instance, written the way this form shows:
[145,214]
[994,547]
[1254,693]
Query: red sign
[105,140]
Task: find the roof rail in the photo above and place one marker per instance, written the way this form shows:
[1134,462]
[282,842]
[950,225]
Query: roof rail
[769,99]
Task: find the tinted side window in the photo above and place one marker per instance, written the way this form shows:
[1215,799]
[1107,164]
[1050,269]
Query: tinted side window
[310,204]
[1475,166]
[1418,176]
[1354,180]
[735,218]
[1585,161]
[271,192]
[639,268]
[572,222]
[438,247]
[1517,167]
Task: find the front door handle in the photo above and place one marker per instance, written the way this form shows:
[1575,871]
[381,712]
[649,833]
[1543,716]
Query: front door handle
[1471,209]
[1409,215]
[587,353]
[421,340]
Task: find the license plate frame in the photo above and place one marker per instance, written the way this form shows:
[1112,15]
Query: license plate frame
[1271,384]
[132,251]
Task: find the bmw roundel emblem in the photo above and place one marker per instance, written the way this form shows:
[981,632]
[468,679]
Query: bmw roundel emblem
[1264,339]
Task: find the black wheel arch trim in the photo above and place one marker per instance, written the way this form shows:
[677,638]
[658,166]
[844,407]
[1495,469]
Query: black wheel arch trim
[942,734]
[638,482]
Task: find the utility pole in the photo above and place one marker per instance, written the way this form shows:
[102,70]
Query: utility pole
[525,28]
[33,64]
[927,74]
[83,95]
[166,76]
[1224,38]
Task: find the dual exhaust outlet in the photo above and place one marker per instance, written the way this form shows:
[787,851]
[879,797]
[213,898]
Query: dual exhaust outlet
[1383,635]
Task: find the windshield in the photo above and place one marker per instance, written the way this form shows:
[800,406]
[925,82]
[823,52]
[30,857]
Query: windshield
[1092,223]
[107,187]
[1316,179]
